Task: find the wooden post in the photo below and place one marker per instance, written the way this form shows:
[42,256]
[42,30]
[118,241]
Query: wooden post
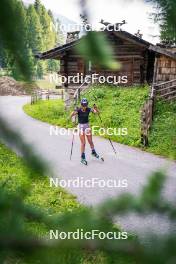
[155,70]
[79,94]
[66,70]
[31,99]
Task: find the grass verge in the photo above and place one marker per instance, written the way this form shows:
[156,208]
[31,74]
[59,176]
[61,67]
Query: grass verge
[14,177]
[14,174]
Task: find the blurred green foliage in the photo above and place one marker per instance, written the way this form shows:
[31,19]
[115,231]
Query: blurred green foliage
[27,217]
[95,47]
[19,244]
[12,34]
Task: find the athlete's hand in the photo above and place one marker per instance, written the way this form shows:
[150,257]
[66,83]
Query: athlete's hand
[95,108]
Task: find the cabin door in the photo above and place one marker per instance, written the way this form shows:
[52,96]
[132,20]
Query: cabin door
[127,69]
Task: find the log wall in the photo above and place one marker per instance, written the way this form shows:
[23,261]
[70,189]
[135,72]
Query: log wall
[132,57]
[166,69]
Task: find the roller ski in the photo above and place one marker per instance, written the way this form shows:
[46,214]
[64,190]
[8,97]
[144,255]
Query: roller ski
[83,159]
[94,154]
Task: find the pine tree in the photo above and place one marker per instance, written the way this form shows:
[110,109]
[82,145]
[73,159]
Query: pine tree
[166,17]
[34,30]
[59,33]
[48,32]
[51,15]
[10,61]
[52,65]
[37,5]
[39,70]
[38,33]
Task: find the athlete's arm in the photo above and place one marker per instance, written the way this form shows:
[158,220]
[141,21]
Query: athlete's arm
[74,113]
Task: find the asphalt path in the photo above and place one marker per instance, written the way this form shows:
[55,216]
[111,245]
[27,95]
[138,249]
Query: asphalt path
[129,170]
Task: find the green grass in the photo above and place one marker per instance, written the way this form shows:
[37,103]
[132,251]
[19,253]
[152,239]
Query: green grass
[120,108]
[51,111]
[162,137]
[14,177]
[14,173]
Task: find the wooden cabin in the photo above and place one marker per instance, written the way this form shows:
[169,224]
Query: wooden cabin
[165,64]
[137,61]
[140,61]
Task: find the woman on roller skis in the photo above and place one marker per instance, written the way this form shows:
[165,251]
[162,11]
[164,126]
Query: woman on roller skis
[84,128]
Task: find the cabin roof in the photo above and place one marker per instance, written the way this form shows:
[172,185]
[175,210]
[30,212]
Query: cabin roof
[58,51]
[163,51]
[55,52]
[130,37]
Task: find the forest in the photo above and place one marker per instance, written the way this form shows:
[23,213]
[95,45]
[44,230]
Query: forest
[40,33]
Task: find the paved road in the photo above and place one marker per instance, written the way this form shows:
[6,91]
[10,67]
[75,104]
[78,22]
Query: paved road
[131,164]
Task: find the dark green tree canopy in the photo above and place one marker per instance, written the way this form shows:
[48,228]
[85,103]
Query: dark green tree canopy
[166,16]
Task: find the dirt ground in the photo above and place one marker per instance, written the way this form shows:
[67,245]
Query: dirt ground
[9,86]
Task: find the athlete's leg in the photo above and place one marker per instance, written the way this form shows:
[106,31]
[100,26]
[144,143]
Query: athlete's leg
[89,138]
[83,144]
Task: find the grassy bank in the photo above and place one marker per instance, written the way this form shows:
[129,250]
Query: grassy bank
[52,112]
[15,175]
[36,192]
[120,108]
[14,178]
[162,137]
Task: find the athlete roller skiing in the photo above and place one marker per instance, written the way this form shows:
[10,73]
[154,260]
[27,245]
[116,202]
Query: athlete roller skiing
[85,129]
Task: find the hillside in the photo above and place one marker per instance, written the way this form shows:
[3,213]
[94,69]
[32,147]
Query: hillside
[119,109]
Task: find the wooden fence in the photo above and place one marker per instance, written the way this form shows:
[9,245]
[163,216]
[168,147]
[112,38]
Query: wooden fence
[46,95]
[146,120]
[165,90]
[77,95]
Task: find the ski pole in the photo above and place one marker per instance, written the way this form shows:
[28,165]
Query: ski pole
[108,138]
[74,121]
[72,145]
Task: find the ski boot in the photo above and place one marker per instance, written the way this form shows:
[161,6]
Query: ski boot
[83,159]
[94,154]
